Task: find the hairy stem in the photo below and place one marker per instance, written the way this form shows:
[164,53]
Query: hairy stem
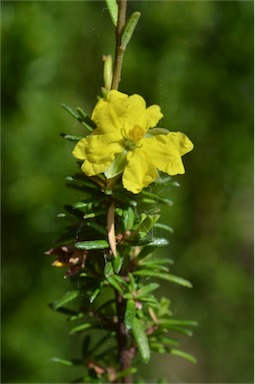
[119,52]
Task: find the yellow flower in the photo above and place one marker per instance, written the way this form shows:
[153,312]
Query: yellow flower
[125,141]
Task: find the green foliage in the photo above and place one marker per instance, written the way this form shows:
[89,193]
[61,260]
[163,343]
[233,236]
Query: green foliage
[138,328]
[108,284]
[129,29]
[112,7]
[199,68]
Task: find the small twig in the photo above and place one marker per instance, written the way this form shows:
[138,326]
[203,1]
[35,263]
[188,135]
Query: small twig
[119,52]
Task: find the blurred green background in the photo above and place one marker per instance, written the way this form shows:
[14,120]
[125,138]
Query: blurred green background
[194,59]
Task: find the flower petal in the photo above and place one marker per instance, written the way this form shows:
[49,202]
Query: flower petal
[165,151]
[98,151]
[109,114]
[151,117]
[79,150]
[100,147]
[92,169]
[139,172]
[138,115]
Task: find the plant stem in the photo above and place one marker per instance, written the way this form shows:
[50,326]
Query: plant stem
[119,52]
[125,354]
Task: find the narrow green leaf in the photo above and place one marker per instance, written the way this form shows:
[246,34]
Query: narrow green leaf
[79,181]
[71,137]
[108,269]
[156,267]
[70,111]
[165,340]
[76,317]
[83,327]
[69,296]
[147,289]
[175,328]
[150,247]
[148,201]
[77,117]
[132,285]
[113,10]
[189,323]
[112,281]
[147,222]
[85,205]
[141,339]
[158,198]
[141,239]
[90,125]
[126,372]
[151,261]
[121,281]
[83,114]
[91,215]
[125,199]
[149,299]
[163,276]
[92,245]
[94,295]
[82,204]
[128,296]
[117,263]
[165,227]
[166,181]
[62,361]
[177,280]
[130,314]
[89,276]
[128,218]
[129,29]
[158,347]
[185,355]
[61,215]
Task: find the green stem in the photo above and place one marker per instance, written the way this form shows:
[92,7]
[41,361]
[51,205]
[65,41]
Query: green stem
[119,52]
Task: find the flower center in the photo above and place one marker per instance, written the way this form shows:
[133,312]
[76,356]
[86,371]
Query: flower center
[133,136]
